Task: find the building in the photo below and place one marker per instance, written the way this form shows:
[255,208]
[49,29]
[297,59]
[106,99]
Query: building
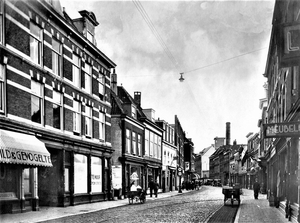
[54,108]
[281,123]
[189,161]
[137,141]
[205,154]
[179,143]
[169,156]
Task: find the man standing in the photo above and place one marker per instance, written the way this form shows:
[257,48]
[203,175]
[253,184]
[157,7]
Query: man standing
[256,188]
[151,186]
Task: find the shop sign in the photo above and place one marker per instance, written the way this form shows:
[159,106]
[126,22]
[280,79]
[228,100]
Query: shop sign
[11,155]
[290,52]
[277,130]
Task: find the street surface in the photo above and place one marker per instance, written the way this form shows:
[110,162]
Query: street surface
[196,206]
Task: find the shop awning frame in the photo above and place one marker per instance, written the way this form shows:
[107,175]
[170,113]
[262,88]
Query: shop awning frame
[24,149]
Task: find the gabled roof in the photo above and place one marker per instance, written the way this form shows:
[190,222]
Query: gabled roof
[205,150]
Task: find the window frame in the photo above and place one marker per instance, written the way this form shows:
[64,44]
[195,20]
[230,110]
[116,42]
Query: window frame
[39,94]
[88,70]
[2,89]
[101,83]
[102,126]
[37,39]
[139,145]
[88,121]
[76,78]
[59,104]
[1,22]
[57,57]
[128,141]
[76,116]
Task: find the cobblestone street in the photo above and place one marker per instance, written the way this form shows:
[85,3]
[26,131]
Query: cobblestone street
[196,206]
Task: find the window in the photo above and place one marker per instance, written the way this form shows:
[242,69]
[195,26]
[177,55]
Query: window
[76,70]
[139,149]
[80,173]
[128,141]
[56,57]
[35,43]
[76,116]
[67,179]
[57,110]
[133,143]
[158,147]
[102,85]
[96,174]
[133,111]
[146,142]
[2,99]
[88,121]
[26,180]
[36,102]
[88,78]
[1,21]
[151,144]
[90,36]
[102,126]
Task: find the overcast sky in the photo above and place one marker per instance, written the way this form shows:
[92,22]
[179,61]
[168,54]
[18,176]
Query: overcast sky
[220,46]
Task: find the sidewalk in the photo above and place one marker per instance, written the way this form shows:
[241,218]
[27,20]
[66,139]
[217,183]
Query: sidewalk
[50,213]
[252,210]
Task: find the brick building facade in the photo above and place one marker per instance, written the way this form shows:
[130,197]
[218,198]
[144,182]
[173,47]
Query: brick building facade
[55,88]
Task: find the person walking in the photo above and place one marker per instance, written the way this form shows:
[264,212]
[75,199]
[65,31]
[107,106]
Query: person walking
[156,186]
[256,188]
[151,186]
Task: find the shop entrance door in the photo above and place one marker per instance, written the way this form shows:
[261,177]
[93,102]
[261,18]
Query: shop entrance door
[28,188]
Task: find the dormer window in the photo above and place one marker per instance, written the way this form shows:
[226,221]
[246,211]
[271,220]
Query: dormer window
[133,112]
[90,36]
[86,25]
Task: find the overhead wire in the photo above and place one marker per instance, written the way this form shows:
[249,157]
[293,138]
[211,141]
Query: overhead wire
[209,65]
[154,31]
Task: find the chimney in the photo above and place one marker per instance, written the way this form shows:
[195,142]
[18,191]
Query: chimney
[219,142]
[227,133]
[137,97]
[114,82]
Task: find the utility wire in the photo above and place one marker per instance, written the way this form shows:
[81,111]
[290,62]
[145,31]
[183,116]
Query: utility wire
[209,65]
[154,31]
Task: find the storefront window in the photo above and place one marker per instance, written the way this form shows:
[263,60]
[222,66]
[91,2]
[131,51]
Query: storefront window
[96,174]
[26,178]
[80,173]
[67,181]
[135,175]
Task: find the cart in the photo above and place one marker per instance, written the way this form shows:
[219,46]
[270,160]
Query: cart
[232,194]
[138,196]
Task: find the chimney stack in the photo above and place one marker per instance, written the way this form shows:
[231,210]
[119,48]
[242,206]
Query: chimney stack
[137,97]
[227,133]
[114,81]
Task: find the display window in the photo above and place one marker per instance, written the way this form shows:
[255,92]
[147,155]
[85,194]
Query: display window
[96,174]
[80,174]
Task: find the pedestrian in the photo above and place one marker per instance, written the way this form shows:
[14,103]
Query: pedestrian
[156,186]
[151,186]
[256,188]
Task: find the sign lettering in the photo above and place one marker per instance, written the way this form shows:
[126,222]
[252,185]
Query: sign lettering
[276,130]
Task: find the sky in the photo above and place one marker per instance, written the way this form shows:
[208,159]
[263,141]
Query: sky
[220,47]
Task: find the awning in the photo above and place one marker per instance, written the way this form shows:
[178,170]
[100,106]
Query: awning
[18,148]
[196,176]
